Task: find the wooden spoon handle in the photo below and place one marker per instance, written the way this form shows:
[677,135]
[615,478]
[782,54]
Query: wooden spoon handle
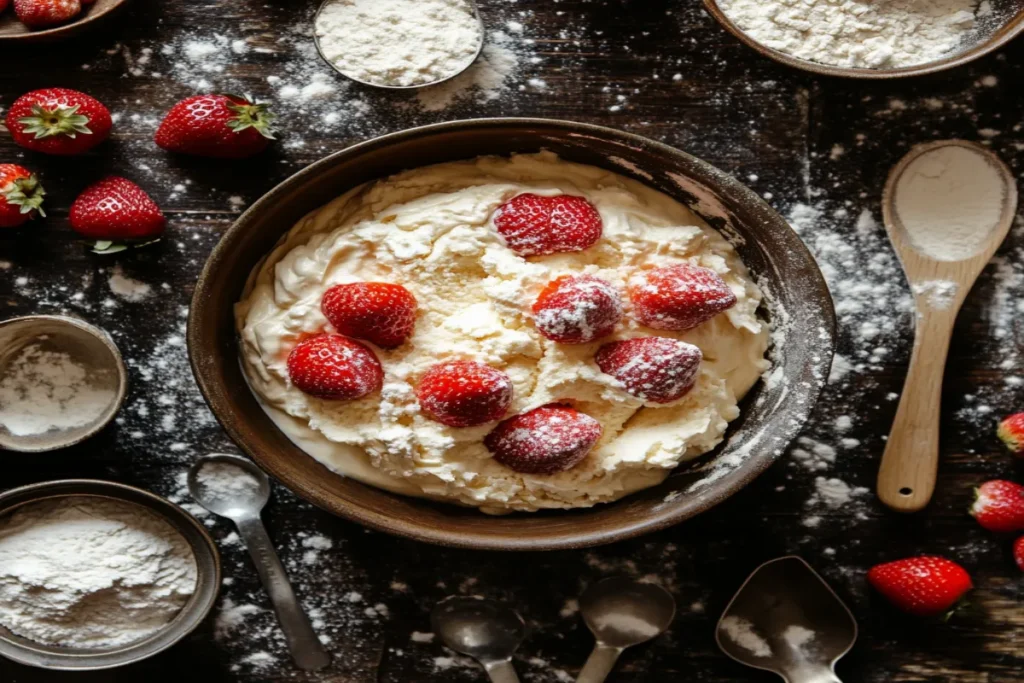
[906,478]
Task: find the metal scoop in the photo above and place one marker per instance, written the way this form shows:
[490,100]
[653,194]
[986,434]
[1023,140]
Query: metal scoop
[785,619]
[241,501]
[622,613]
[488,632]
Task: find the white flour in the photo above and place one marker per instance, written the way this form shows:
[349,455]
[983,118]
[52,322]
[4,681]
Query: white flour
[949,199]
[224,481]
[939,294]
[742,632]
[398,42]
[857,33]
[43,390]
[91,573]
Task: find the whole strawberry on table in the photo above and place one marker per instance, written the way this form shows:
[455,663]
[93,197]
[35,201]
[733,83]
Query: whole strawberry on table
[58,121]
[219,126]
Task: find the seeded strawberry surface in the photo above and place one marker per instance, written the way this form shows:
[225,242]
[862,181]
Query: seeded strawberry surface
[532,225]
[379,312]
[219,126]
[46,13]
[576,309]
[679,297]
[999,506]
[656,369]
[546,440]
[21,196]
[116,209]
[58,121]
[334,368]
[464,393]
[923,586]
[1011,433]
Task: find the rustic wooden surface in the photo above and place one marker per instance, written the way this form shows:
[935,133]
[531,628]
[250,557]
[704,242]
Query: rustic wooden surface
[819,149]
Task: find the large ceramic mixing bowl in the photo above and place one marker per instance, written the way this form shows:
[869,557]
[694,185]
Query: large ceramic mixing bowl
[796,297]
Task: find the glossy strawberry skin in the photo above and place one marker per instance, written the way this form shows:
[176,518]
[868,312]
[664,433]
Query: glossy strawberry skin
[334,368]
[924,586]
[577,309]
[546,440]
[116,209]
[378,312]
[21,196]
[655,369]
[679,297]
[206,125]
[57,134]
[1018,552]
[464,393]
[999,506]
[533,225]
[46,13]
[1011,433]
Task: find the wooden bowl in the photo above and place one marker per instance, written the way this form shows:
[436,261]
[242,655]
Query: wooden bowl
[12,30]
[797,298]
[1007,24]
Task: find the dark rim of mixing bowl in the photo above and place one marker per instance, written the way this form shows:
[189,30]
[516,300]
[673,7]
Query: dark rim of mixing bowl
[207,330]
[192,614]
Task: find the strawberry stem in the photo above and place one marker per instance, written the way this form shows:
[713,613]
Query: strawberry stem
[27,193]
[104,247]
[60,120]
[250,114]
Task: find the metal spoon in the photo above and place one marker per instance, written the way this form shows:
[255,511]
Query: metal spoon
[242,505]
[486,631]
[622,613]
[480,46]
[785,619]
[941,271]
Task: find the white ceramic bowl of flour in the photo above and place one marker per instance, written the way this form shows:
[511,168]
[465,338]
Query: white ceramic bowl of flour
[871,40]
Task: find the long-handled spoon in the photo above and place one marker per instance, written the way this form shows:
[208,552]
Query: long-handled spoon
[241,499]
[622,613]
[488,632]
[944,239]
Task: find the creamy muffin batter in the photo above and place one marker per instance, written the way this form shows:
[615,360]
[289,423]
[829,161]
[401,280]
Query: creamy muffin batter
[430,230]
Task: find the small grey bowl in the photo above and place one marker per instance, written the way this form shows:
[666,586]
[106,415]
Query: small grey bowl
[208,579]
[88,345]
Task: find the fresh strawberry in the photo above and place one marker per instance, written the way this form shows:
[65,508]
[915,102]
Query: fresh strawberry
[116,209]
[545,440]
[46,13]
[3,5]
[1011,432]
[1018,552]
[532,225]
[382,313]
[576,309]
[221,126]
[679,297]
[999,506]
[334,368]
[464,393]
[656,369]
[923,586]
[58,121]
[21,196]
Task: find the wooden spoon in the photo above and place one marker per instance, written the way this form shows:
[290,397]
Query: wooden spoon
[941,270]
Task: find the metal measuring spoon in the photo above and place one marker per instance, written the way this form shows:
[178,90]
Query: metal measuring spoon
[785,619]
[242,505]
[622,613]
[941,269]
[486,631]
[481,33]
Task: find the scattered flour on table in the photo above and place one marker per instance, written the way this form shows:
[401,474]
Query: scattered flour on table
[128,288]
[742,632]
[868,34]
[43,390]
[90,573]
[223,481]
[485,81]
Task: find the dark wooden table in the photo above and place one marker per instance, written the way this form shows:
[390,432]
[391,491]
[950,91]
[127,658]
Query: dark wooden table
[819,149]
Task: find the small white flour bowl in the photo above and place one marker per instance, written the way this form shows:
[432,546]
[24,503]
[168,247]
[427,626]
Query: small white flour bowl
[62,380]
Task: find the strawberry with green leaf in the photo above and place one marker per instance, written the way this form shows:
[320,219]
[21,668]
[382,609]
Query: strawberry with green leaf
[116,212]
[58,121]
[220,126]
[21,196]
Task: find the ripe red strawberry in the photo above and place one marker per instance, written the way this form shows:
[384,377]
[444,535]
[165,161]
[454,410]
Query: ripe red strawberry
[1018,552]
[532,225]
[3,5]
[999,506]
[222,126]
[45,13]
[923,586]
[382,313]
[334,368]
[464,393]
[545,440]
[1011,432]
[679,297]
[21,196]
[58,121]
[116,209]
[576,309]
[656,369]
